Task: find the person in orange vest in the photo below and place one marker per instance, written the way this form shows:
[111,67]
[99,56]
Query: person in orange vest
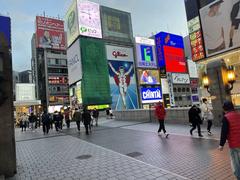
[160,113]
[231,132]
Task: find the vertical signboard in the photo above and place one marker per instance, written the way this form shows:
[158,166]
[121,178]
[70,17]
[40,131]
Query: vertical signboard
[95,81]
[170,53]
[171,93]
[50,33]
[145,51]
[122,77]
[89,19]
[71,20]
[74,63]
[5,31]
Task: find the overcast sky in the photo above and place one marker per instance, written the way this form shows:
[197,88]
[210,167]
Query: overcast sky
[148,17]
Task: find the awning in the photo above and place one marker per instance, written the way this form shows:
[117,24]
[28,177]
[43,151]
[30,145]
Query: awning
[27,103]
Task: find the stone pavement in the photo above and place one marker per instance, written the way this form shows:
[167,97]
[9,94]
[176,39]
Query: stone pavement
[66,157]
[111,144]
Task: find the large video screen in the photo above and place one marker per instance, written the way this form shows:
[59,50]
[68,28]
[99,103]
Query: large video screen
[148,77]
[220,23]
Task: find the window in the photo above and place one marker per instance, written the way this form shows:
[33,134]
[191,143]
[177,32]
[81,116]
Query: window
[180,98]
[183,89]
[174,89]
[176,98]
[188,90]
[58,89]
[179,89]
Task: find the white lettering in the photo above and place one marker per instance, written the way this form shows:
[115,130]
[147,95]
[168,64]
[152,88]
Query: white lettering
[152,94]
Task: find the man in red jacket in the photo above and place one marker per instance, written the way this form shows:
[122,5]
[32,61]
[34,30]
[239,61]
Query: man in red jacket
[231,132]
[160,113]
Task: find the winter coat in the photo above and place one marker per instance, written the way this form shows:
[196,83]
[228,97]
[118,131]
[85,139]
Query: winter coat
[194,115]
[160,112]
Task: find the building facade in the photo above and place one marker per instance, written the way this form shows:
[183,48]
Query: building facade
[49,63]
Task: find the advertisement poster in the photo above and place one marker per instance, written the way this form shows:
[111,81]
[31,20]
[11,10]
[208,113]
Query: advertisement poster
[116,24]
[170,52]
[178,78]
[89,19]
[220,24]
[165,87]
[148,77]
[74,63]
[122,85]
[71,20]
[171,93]
[50,33]
[146,56]
[5,30]
[192,69]
[151,95]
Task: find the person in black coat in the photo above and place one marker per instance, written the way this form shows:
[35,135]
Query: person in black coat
[195,119]
[86,117]
[45,122]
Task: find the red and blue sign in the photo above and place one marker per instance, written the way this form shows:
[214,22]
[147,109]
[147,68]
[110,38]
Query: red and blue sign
[170,53]
[5,30]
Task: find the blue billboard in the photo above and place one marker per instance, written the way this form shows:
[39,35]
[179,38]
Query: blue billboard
[5,31]
[151,95]
[170,52]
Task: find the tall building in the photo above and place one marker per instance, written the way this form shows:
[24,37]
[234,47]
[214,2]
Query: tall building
[25,76]
[49,63]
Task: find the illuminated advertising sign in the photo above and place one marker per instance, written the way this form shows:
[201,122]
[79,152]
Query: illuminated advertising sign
[57,80]
[50,33]
[74,63]
[178,78]
[192,69]
[171,92]
[71,20]
[164,85]
[118,53]
[116,24]
[196,40]
[5,31]
[170,53]
[220,26]
[143,40]
[146,56]
[122,85]
[151,95]
[150,77]
[89,19]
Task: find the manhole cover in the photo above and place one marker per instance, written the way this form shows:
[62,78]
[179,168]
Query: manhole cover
[134,154]
[82,157]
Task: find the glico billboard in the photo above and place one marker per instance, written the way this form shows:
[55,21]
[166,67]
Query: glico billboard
[50,33]
[170,53]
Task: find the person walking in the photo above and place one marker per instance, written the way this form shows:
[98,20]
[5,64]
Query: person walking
[24,121]
[95,116]
[67,117]
[32,120]
[86,117]
[195,119]
[160,113]
[107,113]
[56,120]
[231,132]
[60,119]
[77,116]
[45,122]
[207,114]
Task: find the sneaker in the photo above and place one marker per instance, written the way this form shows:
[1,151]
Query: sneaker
[209,133]
[200,135]
[166,135]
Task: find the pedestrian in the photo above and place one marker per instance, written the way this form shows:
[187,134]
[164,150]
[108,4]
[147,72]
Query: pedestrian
[86,117]
[230,131]
[195,119]
[207,114]
[56,120]
[67,117]
[160,113]
[32,120]
[77,116]
[45,122]
[60,119]
[95,116]
[24,121]
[111,113]
[107,113]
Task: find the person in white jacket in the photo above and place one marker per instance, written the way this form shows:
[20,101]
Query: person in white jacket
[207,114]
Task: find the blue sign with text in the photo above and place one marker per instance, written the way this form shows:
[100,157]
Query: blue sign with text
[5,30]
[151,95]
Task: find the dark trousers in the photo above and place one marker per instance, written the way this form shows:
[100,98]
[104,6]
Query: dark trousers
[161,126]
[68,123]
[56,125]
[194,126]
[209,125]
[45,128]
[86,127]
[61,124]
[24,126]
[78,125]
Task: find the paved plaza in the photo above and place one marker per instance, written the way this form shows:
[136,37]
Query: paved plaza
[121,150]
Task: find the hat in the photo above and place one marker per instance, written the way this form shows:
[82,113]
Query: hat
[228,105]
[216,3]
